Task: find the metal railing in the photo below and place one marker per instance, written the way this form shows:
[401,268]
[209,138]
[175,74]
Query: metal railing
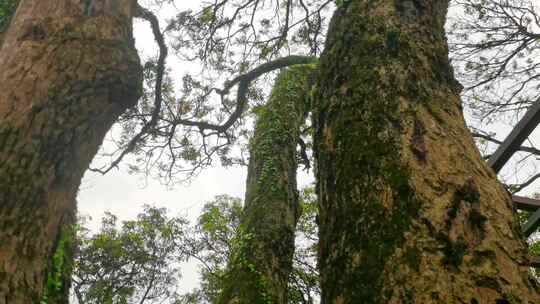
[501,156]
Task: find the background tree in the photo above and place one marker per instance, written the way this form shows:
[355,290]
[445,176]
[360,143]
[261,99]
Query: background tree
[196,121]
[121,264]
[217,234]
[136,263]
[211,245]
[304,287]
[406,199]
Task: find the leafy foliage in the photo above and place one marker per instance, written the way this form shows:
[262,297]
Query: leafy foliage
[534,241]
[215,235]
[213,32]
[137,263]
[7,8]
[140,261]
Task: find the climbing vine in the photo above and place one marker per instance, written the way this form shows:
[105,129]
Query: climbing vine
[277,122]
[240,249]
[59,269]
[7,8]
[262,254]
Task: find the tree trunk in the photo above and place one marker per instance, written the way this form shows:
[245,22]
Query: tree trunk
[259,269]
[409,211]
[69,68]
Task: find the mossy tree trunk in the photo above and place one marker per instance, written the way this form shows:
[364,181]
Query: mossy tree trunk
[67,71]
[259,269]
[409,211]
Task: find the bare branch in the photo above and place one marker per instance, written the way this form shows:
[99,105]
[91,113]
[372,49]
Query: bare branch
[158,36]
[531,150]
[518,187]
[243,81]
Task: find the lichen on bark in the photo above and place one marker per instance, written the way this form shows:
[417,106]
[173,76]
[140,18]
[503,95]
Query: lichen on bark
[261,262]
[409,211]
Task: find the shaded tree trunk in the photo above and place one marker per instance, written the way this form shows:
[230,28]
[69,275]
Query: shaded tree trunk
[261,262]
[409,211]
[68,71]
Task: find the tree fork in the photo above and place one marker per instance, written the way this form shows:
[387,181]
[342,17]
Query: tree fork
[261,263]
[409,210]
[67,74]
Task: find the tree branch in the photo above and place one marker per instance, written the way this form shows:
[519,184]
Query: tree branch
[518,187]
[243,81]
[531,150]
[147,15]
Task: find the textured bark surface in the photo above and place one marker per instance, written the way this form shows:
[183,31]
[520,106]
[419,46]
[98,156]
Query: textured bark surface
[68,71]
[262,260]
[409,211]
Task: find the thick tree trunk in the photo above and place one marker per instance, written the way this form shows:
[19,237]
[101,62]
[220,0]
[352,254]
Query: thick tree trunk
[409,211]
[262,260]
[68,69]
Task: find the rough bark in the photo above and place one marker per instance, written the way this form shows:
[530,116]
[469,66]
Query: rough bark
[69,68]
[409,211]
[259,269]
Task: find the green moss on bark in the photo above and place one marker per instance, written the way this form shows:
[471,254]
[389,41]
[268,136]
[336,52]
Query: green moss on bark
[358,126]
[405,198]
[261,262]
[7,9]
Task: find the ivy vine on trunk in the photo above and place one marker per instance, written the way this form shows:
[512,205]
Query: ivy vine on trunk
[261,260]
